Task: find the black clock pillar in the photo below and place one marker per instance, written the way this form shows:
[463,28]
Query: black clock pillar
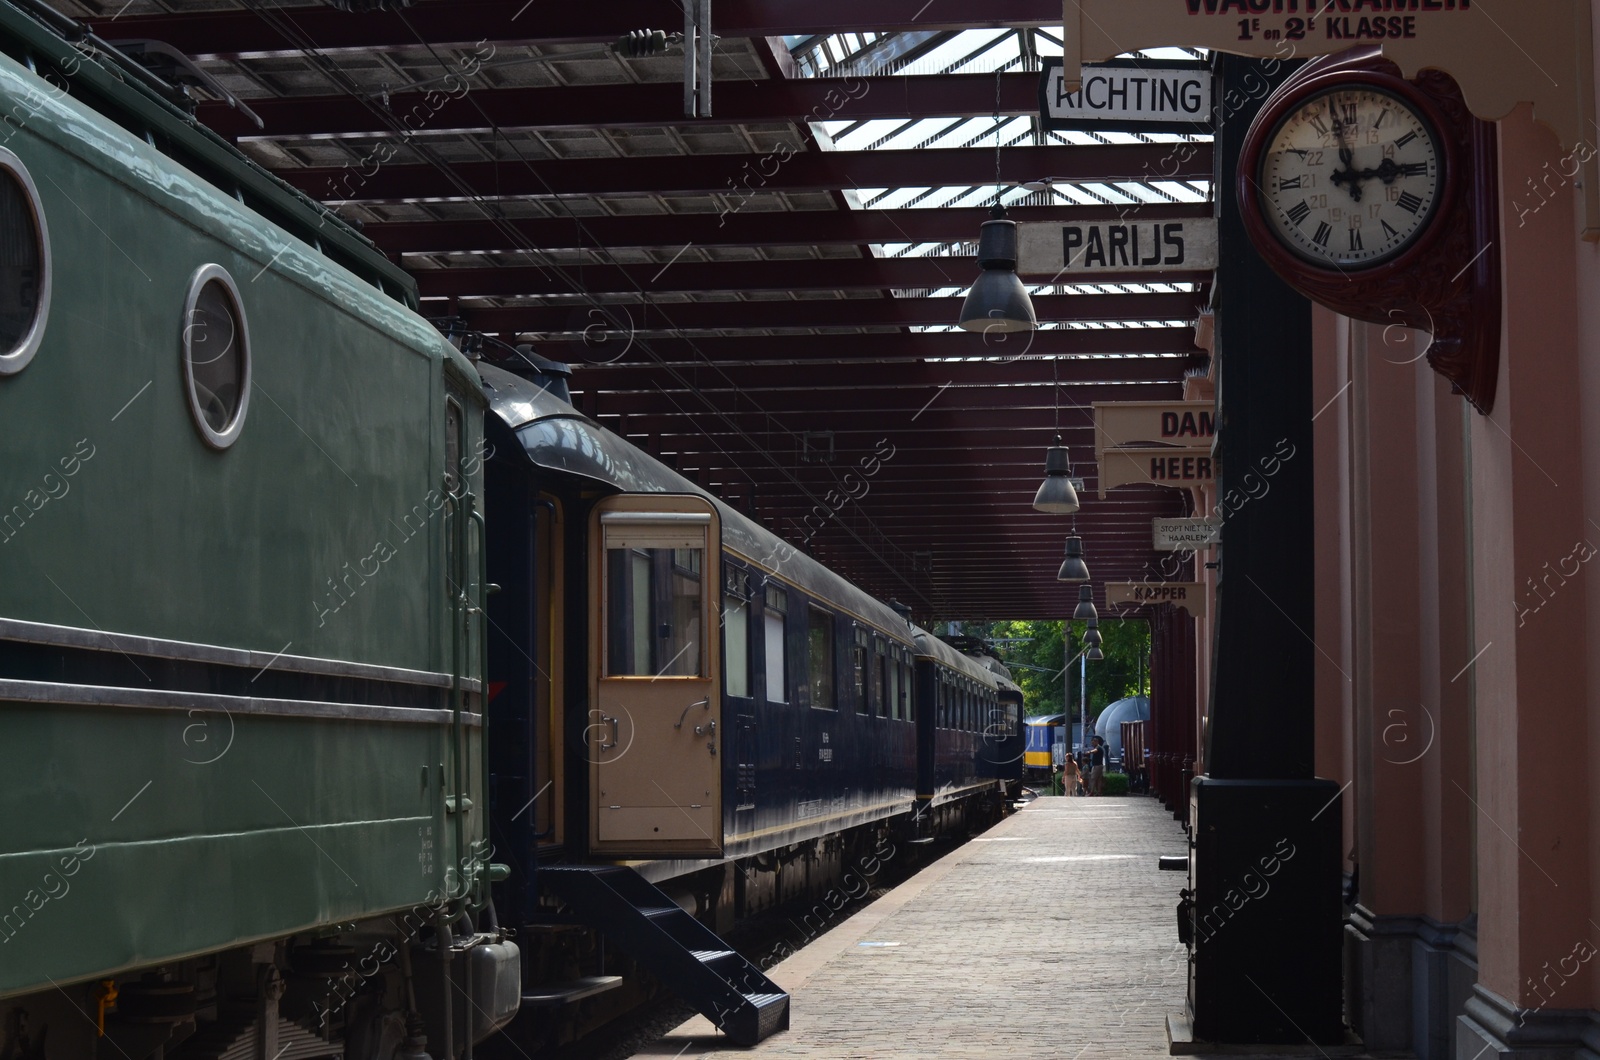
[1265,867]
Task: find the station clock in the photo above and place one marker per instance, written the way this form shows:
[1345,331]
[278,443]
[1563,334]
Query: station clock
[1376,196]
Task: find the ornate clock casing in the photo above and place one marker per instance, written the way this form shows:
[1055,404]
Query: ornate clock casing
[1420,250]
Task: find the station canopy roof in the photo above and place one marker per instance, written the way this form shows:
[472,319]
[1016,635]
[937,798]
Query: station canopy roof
[766,298]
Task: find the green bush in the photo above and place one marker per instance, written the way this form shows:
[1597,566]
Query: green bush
[1116,783]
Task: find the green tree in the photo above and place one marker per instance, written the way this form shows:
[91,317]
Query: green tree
[1034,651]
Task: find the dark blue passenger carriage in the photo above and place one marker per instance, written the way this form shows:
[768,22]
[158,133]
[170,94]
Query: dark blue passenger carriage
[644,629]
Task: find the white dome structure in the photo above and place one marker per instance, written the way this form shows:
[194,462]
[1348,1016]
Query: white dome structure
[1109,723]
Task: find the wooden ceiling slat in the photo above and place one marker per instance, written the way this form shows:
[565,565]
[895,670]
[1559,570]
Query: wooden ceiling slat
[739,229]
[830,274]
[974,404]
[472,24]
[883,346]
[646,105]
[739,175]
[1033,375]
[812,313]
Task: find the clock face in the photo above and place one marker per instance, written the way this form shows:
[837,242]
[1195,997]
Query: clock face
[1351,177]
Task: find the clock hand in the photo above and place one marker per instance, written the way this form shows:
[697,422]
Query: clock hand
[1347,157]
[1389,170]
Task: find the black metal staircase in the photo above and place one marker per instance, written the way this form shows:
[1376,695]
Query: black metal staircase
[677,949]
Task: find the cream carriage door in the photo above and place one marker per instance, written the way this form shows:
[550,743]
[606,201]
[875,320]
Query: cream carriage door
[655,729]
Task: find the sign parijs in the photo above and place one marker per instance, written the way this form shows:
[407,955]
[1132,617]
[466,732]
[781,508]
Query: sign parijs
[1157,96]
[1116,245]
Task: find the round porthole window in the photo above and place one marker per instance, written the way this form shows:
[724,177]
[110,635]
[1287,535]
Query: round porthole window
[24,266]
[216,356]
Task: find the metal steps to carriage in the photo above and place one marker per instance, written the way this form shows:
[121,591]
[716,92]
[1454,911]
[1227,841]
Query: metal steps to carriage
[684,954]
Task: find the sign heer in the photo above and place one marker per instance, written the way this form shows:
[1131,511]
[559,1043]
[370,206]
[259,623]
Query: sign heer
[1167,443]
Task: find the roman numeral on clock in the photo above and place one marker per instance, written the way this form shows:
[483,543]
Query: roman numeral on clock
[1389,230]
[1407,138]
[1414,169]
[1355,240]
[1409,202]
[1299,211]
[1285,183]
[1324,230]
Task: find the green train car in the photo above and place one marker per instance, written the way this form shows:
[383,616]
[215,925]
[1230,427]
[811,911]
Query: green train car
[241,604]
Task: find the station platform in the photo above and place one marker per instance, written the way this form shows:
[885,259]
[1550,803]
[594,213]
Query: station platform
[1053,934]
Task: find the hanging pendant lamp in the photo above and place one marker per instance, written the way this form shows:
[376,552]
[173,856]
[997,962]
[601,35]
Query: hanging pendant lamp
[998,301]
[1085,609]
[1091,636]
[1073,568]
[1056,494]
[1094,654]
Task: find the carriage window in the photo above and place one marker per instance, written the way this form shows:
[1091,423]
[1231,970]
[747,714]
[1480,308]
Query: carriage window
[736,619]
[891,677]
[452,446]
[941,715]
[216,356]
[859,663]
[908,707]
[774,623]
[880,679]
[24,266]
[1007,716]
[820,657]
[736,644]
[653,600]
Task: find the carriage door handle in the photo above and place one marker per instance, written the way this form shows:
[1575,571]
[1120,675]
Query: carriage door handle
[697,703]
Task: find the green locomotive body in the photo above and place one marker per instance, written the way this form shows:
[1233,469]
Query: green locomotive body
[240,594]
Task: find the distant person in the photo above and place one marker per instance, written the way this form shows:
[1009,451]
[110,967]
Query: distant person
[1071,779]
[1097,766]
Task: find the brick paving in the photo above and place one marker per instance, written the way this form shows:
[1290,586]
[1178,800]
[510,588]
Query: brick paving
[1051,935]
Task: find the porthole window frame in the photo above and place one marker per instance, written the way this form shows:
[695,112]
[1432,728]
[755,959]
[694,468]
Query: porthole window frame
[225,438]
[18,359]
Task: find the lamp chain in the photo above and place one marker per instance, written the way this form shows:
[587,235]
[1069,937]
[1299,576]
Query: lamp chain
[997,71]
[1055,392]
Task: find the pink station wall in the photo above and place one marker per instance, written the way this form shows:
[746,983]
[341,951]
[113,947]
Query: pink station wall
[1454,688]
